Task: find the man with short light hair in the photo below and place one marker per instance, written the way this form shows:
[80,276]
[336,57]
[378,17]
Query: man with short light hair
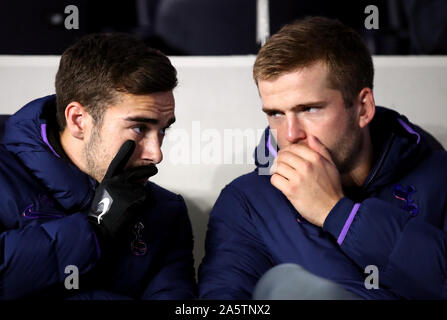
[351,185]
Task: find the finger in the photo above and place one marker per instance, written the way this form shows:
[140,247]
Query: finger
[291,158]
[284,170]
[273,167]
[316,145]
[279,182]
[122,157]
[139,173]
[300,151]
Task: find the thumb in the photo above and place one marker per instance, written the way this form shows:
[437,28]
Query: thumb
[316,145]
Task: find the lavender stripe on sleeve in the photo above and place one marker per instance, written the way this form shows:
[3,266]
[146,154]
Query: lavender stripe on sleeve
[345,229]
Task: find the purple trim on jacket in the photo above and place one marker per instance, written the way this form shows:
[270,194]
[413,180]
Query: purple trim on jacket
[43,133]
[348,223]
[409,129]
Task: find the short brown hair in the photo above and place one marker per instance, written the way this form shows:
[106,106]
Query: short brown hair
[98,66]
[313,39]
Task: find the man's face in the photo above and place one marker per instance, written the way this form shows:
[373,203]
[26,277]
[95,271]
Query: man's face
[142,118]
[300,104]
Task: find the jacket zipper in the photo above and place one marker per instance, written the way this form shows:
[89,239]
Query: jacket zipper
[382,159]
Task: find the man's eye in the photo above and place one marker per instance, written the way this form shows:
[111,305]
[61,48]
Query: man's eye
[274,114]
[139,129]
[311,109]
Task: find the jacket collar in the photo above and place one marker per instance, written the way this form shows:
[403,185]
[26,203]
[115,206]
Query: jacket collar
[26,137]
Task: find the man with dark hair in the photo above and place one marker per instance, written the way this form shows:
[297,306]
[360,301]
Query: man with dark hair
[352,205]
[79,218]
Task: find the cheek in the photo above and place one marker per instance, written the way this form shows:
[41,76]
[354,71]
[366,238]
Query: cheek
[111,144]
[332,133]
[328,134]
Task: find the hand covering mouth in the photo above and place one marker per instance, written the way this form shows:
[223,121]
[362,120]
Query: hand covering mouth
[141,174]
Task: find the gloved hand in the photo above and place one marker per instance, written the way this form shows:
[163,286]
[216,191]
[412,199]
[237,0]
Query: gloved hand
[118,195]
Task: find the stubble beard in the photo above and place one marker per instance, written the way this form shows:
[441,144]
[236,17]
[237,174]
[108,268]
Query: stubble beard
[346,151]
[93,153]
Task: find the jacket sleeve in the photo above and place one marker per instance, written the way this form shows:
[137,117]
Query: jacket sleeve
[35,257]
[235,256]
[410,253]
[175,278]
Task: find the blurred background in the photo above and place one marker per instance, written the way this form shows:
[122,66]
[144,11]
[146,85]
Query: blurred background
[217,27]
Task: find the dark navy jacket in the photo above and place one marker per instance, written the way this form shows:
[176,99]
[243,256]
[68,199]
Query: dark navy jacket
[43,227]
[395,221]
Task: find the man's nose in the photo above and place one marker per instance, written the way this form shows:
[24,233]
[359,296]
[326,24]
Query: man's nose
[295,131]
[151,150]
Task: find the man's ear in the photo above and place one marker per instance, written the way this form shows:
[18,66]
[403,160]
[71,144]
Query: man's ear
[366,107]
[77,118]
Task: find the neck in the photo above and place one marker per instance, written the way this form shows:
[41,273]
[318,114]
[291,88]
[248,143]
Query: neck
[360,171]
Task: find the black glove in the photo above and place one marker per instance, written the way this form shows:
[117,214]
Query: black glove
[118,195]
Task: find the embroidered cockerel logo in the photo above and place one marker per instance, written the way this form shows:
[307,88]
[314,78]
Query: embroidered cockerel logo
[404,194]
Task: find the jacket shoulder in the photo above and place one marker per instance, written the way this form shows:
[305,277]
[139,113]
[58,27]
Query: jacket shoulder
[435,164]
[12,171]
[242,193]
[250,182]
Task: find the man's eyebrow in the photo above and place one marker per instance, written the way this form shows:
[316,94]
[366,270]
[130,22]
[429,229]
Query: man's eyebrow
[268,110]
[149,120]
[298,106]
[311,104]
